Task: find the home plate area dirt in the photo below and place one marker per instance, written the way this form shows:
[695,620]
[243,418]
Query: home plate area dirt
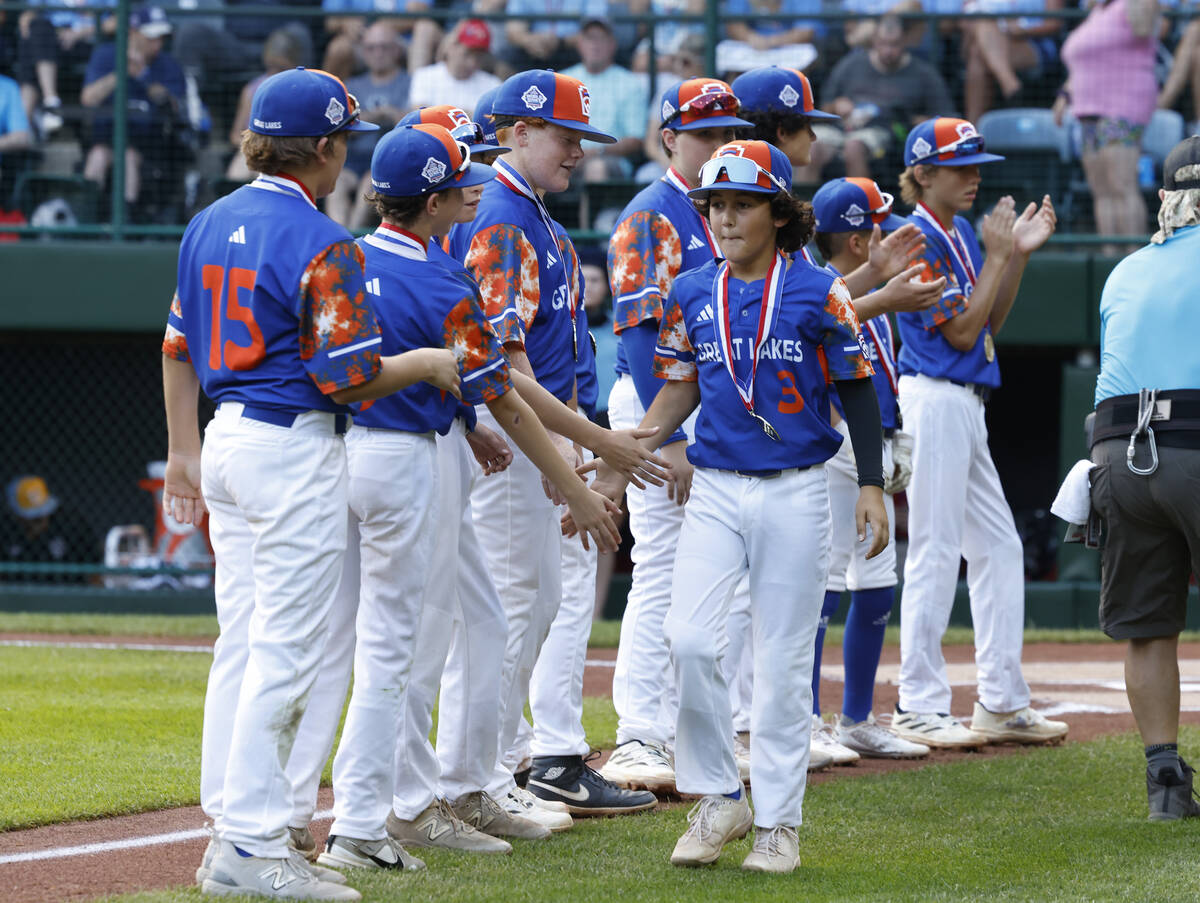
[1076,682]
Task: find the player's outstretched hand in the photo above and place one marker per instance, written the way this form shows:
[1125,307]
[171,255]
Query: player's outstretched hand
[622,451]
[892,255]
[679,487]
[595,515]
[442,370]
[182,499]
[998,228]
[489,449]
[870,510]
[608,482]
[1034,226]
[906,293]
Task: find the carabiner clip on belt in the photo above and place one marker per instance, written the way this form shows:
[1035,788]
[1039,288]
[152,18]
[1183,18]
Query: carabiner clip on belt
[1146,403]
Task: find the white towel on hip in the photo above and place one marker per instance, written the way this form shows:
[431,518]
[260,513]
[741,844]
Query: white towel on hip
[1074,499]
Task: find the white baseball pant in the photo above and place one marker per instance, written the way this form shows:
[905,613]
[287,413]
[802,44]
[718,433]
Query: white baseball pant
[277,520]
[393,496]
[471,617]
[739,660]
[518,529]
[849,567]
[957,509]
[777,530]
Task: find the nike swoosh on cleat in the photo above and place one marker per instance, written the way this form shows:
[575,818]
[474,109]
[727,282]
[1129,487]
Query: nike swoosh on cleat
[580,796]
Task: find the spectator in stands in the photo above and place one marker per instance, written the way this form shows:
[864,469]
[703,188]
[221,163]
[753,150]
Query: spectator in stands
[39,531]
[280,52]
[998,53]
[1111,90]
[880,93]
[346,25]
[1185,73]
[859,32]
[615,108]
[46,43]
[669,35]
[550,44]
[383,97]
[156,94]
[791,40]
[686,62]
[14,126]
[458,80]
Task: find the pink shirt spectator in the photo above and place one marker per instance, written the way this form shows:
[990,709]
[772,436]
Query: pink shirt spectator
[1111,69]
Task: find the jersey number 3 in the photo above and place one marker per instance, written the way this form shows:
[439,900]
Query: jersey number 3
[794,403]
[224,293]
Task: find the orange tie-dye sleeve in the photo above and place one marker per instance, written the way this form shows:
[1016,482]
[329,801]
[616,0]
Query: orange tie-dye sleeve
[674,356]
[339,337]
[953,302]
[846,355]
[644,257]
[482,365]
[505,265]
[175,341]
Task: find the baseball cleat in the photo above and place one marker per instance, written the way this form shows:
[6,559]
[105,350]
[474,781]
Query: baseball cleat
[352,852]
[641,765]
[937,730]
[825,738]
[570,780]
[520,802]
[873,741]
[1022,726]
[235,873]
[712,823]
[438,826]
[775,850]
[482,812]
[1171,794]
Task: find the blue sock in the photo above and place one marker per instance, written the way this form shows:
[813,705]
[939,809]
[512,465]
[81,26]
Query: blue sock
[736,795]
[828,608]
[865,624]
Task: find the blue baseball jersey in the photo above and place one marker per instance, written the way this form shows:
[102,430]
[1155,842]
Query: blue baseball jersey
[587,383]
[658,235]
[814,339]
[881,351]
[420,304]
[524,274]
[924,349]
[270,306]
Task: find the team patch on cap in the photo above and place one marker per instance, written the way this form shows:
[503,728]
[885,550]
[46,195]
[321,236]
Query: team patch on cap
[789,96]
[335,112]
[667,110]
[921,148]
[533,98]
[434,171]
[585,100]
[854,215]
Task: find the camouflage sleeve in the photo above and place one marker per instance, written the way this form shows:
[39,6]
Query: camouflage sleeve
[842,344]
[644,257]
[674,356]
[505,264]
[482,365]
[339,338]
[175,341]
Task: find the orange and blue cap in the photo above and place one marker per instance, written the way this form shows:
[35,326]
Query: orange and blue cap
[460,126]
[946,141]
[413,160]
[854,205]
[483,116]
[305,103]
[753,166]
[777,89]
[550,96]
[700,103]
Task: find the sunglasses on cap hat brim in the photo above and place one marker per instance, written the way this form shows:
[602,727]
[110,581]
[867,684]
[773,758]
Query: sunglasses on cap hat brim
[732,173]
[717,110]
[472,134]
[968,151]
[352,122]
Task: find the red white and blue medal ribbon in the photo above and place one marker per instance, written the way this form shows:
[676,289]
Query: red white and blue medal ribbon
[677,181]
[514,181]
[768,310]
[884,350]
[958,249]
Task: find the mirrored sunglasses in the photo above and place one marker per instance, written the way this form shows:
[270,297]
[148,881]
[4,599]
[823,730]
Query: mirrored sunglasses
[741,170]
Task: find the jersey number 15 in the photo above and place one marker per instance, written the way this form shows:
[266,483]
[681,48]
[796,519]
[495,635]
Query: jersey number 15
[225,309]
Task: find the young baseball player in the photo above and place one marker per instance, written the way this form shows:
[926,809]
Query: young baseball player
[416,174]
[759,500]
[847,212]
[271,320]
[658,235]
[956,506]
[523,262]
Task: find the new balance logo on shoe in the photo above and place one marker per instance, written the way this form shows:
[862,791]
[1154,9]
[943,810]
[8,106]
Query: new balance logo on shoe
[373,287]
[705,314]
[435,829]
[238,237]
[281,876]
[696,244]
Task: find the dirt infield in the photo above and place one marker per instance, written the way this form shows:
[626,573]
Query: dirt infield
[1081,683]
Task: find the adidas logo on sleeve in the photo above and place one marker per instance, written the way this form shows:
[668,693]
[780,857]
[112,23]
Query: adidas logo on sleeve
[696,243]
[238,236]
[704,315]
[373,287]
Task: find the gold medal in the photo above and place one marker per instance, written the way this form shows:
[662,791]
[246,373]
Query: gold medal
[989,347]
[767,427]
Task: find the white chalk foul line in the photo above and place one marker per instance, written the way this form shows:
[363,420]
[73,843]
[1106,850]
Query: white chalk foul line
[73,644]
[130,843]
